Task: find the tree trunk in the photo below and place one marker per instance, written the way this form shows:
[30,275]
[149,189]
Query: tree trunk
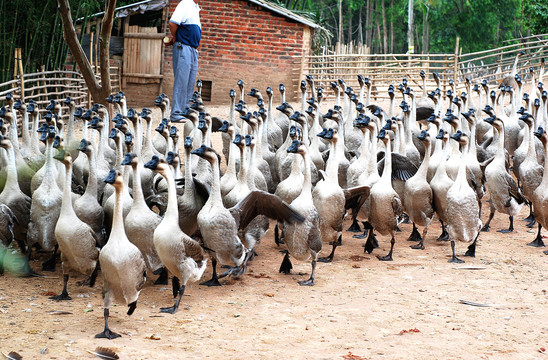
[340,37]
[368,27]
[425,30]
[391,28]
[384,29]
[410,37]
[98,93]
[360,27]
[349,41]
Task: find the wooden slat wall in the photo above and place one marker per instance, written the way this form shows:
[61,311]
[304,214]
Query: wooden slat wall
[142,55]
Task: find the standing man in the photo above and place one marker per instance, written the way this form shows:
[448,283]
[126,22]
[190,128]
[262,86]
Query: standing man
[185,34]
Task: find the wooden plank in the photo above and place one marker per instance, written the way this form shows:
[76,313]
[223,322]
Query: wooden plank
[144,75]
[144,36]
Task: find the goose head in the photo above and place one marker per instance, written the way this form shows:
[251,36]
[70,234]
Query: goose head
[451,118]
[43,130]
[349,91]
[172,159]
[310,80]
[476,88]
[293,132]
[114,134]
[173,133]
[303,86]
[159,101]
[360,108]
[297,147]
[342,84]
[132,115]
[460,137]
[456,101]
[69,102]
[128,140]
[424,136]
[449,94]
[255,93]
[527,118]
[20,106]
[299,118]
[484,85]
[434,119]
[391,93]
[240,84]
[367,82]
[79,112]
[269,92]
[239,141]
[436,78]
[232,94]
[493,95]
[95,123]
[409,91]
[540,86]
[145,115]
[49,135]
[130,159]
[383,136]
[333,114]
[470,116]
[442,135]
[32,108]
[115,178]
[207,153]
[261,115]
[282,88]
[249,141]
[495,122]
[354,98]
[250,119]
[241,107]
[156,164]
[405,107]
[521,111]
[334,87]
[488,109]
[539,133]
[422,74]
[224,126]
[85,146]
[188,142]
[536,103]
[310,110]
[526,98]
[362,121]
[404,82]
[285,108]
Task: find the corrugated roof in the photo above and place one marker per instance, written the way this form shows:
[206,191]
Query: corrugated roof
[278,9]
[284,12]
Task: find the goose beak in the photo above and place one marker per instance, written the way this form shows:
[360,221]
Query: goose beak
[83,145]
[170,157]
[127,159]
[153,163]
[382,134]
[422,135]
[457,136]
[237,139]
[113,133]
[539,132]
[322,133]
[111,178]
[441,134]
[201,150]
[188,142]
[294,146]
[490,120]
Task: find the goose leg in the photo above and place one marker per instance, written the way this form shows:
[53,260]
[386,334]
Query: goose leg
[49,264]
[310,281]
[510,228]
[531,218]
[64,294]
[486,227]
[286,265]
[173,309]
[330,257]
[371,243]
[472,248]
[163,279]
[214,281]
[444,234]
[420,245]
[538,240]
[388,256]
[277,239]
[366,228]
[454,259]
[355,227]
[107,334]
[415,235]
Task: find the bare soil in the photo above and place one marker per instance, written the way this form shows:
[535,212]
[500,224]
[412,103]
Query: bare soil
[360,307]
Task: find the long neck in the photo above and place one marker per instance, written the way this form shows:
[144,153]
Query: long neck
[34,134]
[307,185]
[138,197]
[66,205]
[362,93]
[332,166]
[49,167]
[138,137]
[189,181]
[250,180]
[423,168]
[118,215]
[91,187]
[11,180]
[242,175]
[387,171]
[545,174]
[70,125]
[231,166]
[500,144]
[25,129]
[148,135]
[119,152]
[215,193]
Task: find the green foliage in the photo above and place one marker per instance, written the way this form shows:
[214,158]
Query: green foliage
[536,15]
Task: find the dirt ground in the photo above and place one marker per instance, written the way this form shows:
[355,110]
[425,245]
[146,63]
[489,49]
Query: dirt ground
[360,307]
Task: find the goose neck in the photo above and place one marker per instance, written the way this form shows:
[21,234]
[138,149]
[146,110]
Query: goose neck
[66,204]
[387,171]
[91,187]
[118,215]
[11,179]
[138,197]
[332,166]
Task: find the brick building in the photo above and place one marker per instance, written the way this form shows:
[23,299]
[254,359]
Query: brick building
[254,40]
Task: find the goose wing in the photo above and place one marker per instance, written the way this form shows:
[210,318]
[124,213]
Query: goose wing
[7,220]
[201,191]
[355,197]
[513,189]
[396,206]
[216,123]
[262,203]
[402,167]
[424,112]
[193,249]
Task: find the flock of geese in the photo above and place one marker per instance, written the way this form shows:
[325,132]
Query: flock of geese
[117,201]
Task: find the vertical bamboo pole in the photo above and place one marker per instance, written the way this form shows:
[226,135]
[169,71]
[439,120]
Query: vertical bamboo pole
[21,75]
[44,90]
[456,61]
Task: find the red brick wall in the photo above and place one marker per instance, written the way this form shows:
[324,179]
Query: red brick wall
[244,41]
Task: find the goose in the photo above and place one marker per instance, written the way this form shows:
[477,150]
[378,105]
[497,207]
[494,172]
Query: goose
[530,172]
[506,197]
[46,204]
[229,178]
[122,264]
[194,196]
[258,166]
[336,116]
[17,202]
[24,171]
[330,199]
[316,156]
[77,241]
[275,134]
[103,166]
[219,225]
[540,195]
[418,194]
[140,223]
[462,212]
[181,255]
[386,205]
[357,167]
[227,141]
[510,80]
[38,157]
[303,239]
[242,186]
[282,119]
[7,223]
[26,148]
[86,207]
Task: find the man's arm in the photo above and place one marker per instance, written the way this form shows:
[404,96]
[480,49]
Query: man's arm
[173,31]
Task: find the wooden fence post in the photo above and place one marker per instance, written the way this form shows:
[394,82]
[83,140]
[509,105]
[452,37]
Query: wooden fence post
[456,61]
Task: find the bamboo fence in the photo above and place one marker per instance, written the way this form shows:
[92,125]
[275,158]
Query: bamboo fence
[347,62]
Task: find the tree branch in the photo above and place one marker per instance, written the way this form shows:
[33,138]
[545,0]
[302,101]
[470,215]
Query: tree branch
[77,52]
[104,45]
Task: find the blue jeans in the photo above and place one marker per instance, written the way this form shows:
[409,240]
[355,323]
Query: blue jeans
[185,69]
